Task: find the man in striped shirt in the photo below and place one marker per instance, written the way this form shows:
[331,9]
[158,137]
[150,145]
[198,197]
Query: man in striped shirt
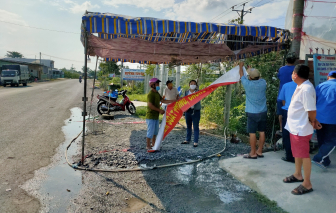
[256,109]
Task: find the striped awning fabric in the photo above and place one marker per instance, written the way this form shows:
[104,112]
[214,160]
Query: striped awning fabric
[107,26]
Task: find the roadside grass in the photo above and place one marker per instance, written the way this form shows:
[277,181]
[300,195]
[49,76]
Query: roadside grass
[141,112]
[138,97]
[270,203]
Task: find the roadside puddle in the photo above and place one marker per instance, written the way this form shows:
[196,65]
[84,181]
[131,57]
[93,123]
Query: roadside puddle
[57,184]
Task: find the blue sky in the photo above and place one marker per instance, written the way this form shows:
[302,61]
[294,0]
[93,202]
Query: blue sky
[65,15]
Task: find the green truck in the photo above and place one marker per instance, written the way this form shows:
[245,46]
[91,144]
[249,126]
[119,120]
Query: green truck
[14,75]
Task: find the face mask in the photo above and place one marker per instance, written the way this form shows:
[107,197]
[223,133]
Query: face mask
[192,87]
[157,88]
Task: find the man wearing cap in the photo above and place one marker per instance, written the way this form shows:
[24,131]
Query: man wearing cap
[326,115]
[256,109]
[170,93]
[153,111]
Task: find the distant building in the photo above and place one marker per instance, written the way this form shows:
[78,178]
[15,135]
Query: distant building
[57,73]
[38,68]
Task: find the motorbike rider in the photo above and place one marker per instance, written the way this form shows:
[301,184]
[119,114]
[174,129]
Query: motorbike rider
[80,79]
[153,111]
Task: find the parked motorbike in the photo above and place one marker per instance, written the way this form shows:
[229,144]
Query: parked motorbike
[107,104]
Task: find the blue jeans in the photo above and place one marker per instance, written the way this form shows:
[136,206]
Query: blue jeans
[286,137]
[192,119]
[152,127]
[327,142]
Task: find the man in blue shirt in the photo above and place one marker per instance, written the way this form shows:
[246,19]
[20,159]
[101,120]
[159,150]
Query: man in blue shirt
[326,115]
[285,76]
[285,96]
[256,109]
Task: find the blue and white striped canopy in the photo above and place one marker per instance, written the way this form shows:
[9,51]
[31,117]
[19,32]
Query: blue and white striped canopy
[107,26]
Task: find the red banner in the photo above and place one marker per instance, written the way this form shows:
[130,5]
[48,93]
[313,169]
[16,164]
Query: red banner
[175,110]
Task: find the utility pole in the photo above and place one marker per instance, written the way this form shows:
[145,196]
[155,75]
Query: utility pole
[228,92]
[298,8]
[242,12]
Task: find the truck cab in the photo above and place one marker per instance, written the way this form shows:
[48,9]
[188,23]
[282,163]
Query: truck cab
[14,75]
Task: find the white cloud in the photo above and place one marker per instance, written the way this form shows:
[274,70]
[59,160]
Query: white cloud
[10,17]
[156,5]
[80,8]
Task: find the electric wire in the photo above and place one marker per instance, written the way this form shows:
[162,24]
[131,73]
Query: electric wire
[39,28]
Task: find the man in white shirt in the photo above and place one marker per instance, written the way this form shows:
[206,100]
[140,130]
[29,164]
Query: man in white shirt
[301,122]
[170,93]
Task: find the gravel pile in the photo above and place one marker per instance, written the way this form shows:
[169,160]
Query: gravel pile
[123,145]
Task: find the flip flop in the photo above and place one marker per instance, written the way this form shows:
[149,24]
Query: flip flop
[195,145]
[248,156]
[260,156]
[185,142]
[300,190]
[291,179]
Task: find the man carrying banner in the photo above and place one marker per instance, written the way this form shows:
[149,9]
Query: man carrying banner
[153,111]
[256,109]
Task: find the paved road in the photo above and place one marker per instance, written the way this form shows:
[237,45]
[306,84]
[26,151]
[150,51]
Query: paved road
[31,120]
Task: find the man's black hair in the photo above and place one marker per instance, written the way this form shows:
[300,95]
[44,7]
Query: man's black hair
[291,58]
[333,75]
[169,81]
[302,71]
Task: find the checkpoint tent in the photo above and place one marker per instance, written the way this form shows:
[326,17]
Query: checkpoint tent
[150,40]
[154,41]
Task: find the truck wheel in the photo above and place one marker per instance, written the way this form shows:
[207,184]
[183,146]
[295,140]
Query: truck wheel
[17,85]
[24,84]
[12,85]
[5,85]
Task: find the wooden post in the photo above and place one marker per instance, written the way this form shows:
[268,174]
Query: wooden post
[227,104]
[121,74]
[297,26]
[178,76]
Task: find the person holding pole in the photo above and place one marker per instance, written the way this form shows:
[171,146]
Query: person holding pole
[153,111]
[256,109]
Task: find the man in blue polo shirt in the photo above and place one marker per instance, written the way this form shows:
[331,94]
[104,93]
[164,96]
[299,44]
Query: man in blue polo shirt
[285,96]
[285,76]
[326,115]
[256,109]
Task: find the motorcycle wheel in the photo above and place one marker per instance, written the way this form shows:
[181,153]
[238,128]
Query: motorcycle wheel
[100,109]
[131,108]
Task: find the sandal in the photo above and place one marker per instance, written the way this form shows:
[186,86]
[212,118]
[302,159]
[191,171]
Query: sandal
[185,142]
[248,156]
[291,179]
[300,190]
[260,156]
[195,144]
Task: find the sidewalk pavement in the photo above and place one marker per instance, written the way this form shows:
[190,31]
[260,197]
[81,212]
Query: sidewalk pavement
[265,176]
[139,103]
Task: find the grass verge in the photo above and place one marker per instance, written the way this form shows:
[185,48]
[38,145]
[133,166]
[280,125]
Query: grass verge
[269,203]
[141,112]
[138,97]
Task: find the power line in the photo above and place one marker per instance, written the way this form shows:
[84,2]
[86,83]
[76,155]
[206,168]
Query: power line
[215,18]
[63,58]
[39,28]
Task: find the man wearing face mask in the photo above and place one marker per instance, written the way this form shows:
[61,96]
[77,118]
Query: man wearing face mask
[153,111]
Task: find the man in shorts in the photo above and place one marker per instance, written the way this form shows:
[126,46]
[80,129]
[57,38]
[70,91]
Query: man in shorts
[153,111]
[301,122]
[256,109]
